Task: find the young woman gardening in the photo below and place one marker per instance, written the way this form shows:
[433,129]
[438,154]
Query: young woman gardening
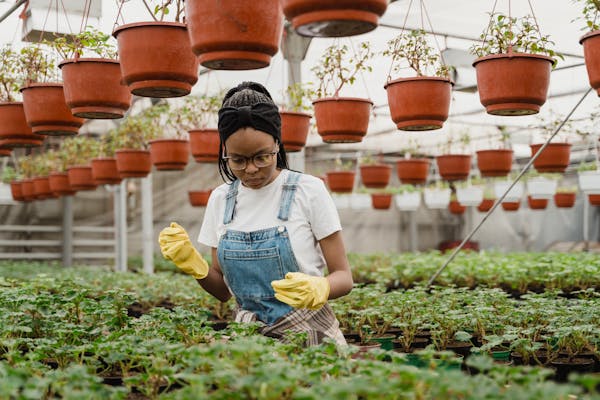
[272,231]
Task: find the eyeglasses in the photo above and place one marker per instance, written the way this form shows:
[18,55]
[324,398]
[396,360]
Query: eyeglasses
[238,163]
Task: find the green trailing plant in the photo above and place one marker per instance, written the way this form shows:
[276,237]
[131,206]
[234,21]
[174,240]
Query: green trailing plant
[336,68]
[9,174]
[587,166]
[412,49]
[11,78]
[89,42]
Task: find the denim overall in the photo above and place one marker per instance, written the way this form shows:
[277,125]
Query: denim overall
[250,261]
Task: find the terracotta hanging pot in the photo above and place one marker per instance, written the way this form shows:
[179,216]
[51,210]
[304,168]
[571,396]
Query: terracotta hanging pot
[342,119]
[381,201]
[5,152]
[205,145]
[375,176]
[41,188]
[456,208]
[513,84]
[93,88]
[565,199]
[156,58]
[16,190]
[294,130]
[169,154]
[341,181]
[59,184]
[594,199]
[14,130]
[454,167]
[133,163]
[554,158]
[537,204]
[27,190]
[492,163]
[485,205]
[333,18]
[511,205]
[80,178]
[47,112]
[104,171]
[591,55]
[419,103]
[199,198]
[413,171]
[233,34]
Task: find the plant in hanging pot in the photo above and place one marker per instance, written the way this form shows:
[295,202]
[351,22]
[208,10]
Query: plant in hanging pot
[199,198]
[169,147]
[588,176]
[455,207]
[11,177]
[26,168]
[437,195]
[487,202]
[341,119]
[408,198]
[591,41]
[470,193]
[14,130]
[555,157]
[295,122]
[41,185]
[341,179]
[541,186]
[496,162]
[512,200]
[422,102]
[156,57]
[104,166]
[565,196]
[91,75]
[373,172]
[132,154]
[78,153]
[513,68]
[381,198]
[454,167]
[58,177]
[413,169]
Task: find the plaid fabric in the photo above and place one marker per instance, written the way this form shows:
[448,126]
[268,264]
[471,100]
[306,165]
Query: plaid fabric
[318,324]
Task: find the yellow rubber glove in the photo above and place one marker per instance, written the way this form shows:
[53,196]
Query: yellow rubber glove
[302,291]
[175,245]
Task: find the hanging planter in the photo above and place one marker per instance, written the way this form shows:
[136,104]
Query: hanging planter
[486,205]
[436,198]
[294,130]
[589,182]
[59,184]
[342,119]
[537,204]
[494,163]
[594,199]
[93,88]
[16,190]
[413,171]
[408,201]
[511,205]
[169,154]
[156,58]
[14,130]
[133,163]
[5,152]
[470,196]
[199,198]
[541,188]
[316,18]
[456,208]
[205,145]
[47,112]
[381,201]
[375,175]
[233,34]
[341,181]
[591,55]
[105,172]
[27,190]
[514,195]
[554,158]
[41,188]
[80,178]
[454,167]
[565,199]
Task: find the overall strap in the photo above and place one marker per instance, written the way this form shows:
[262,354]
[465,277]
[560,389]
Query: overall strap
[230,202]
[287,195]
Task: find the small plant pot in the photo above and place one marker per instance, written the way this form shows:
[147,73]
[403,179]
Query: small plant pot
[566,366]
[27,190]
[316,18]
[537,204]
[169,154]
[511,205]
[385,341]
[513,84]
[594,199]
[41,188]
[341,181]
[493,163]
[16,190]
[14,130]
[589,182]
[156,58]
[80,178]
[591,55]
[436,199]
[456,208]
[514,195]
[360,201]
[408,201]
[419,103]
[93,88]
[133,163]
[342,119]
[59,184]
[565,200]
[470,196]
[105,172]
[294,130]
[486,205]
[234,35]
[375,176]
[5,152]
[381,201]
[199,198]
[454,167]
[554,158]
[364,349]
[47,112]
[30,141]
[413,171]
[205,145]
[541,188]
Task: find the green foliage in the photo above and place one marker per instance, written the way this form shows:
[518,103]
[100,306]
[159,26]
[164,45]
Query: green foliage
[136,130]
[90,41]
[10,78]
[36,64]
[161,8]
[587,166]
[298,94]
[197,112]
[9,174]
[589,14]
[79,150]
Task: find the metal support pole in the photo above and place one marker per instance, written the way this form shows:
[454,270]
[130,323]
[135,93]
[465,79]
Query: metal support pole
[120,205]
[147,225]
[586,223]
[12,9]
[67,228]
[414,240]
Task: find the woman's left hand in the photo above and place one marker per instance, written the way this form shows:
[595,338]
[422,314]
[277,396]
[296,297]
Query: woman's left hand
[302,291]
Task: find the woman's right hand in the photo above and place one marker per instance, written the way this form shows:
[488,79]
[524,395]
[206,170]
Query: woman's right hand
[175,245]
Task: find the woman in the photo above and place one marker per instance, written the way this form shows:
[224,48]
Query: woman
[272,230]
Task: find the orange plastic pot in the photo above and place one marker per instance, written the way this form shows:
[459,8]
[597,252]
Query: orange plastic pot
[554,158]
[565,200]
[59,184]
[419,103]
[333,18]
[199,198]
[342,119]
[454,167]
[27,190]
[513,84]
[47,112]
[205,145]
[375,176]
[485,205]
[132,163]
[294,130]
[591,55]
[341,181]
[14,130]
[169,154]
[156,58]
[80,178]
[16,190]
[493,163]
[30,141]
[413,171]
[93,88]
[537,204]
[594,199]
[233,34]
[511,205]
[381,201]
[41,188]
[456,208]
[5,152]
[105,172]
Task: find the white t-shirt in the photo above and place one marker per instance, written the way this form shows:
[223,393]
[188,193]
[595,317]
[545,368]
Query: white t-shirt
[313,216]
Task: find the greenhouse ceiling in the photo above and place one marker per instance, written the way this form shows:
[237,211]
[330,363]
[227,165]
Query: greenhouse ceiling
[457,25]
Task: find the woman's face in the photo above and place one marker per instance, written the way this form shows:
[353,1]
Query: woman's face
[242,146]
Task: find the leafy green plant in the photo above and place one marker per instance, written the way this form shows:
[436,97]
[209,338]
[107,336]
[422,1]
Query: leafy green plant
[298,95]
[9,174]
[90,41]
[11,79]
[197,112]
[36,64]
[336,68]
[588,166]
[159,9]
[79,150]
[589,14]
